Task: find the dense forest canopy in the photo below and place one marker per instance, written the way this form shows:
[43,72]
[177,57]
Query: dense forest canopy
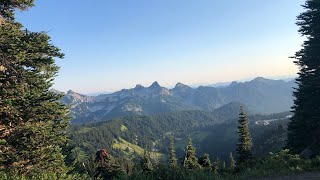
[212,132]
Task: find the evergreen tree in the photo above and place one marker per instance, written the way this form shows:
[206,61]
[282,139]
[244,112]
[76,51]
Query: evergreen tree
[244,144]
[232,162]
[7,8]
[107,166]
[215,167]
[205,162]
[304,126]
[172,159]
[76,158]
[190,160]
[145,162]
[33,122]
[223,164]
[126,164]
[220,165]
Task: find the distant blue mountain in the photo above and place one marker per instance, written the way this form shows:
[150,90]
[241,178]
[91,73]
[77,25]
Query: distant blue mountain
[259,95]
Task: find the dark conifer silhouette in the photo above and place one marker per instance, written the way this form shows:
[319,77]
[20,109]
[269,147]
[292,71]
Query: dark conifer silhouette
[205,162]
[304,128]
[145,162]
[244,143]
[232,163]
[172,159]
[190,160]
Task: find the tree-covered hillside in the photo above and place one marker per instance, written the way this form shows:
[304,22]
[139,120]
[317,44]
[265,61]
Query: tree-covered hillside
[144,130]
[212,132]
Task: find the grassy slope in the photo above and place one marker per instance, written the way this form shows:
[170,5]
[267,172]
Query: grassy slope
[125,145]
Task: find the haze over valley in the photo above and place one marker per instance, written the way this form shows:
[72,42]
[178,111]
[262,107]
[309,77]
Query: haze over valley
[260,95]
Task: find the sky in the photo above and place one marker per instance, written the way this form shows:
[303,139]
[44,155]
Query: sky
[114,44]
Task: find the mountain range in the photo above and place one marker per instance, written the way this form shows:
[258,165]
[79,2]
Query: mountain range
[259,95]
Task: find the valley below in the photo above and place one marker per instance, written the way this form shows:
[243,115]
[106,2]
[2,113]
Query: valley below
[131,120]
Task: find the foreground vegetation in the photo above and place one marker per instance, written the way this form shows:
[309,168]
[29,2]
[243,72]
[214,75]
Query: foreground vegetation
[192,167]
[281,163]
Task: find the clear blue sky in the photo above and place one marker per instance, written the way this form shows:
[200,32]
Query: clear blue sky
[115,44]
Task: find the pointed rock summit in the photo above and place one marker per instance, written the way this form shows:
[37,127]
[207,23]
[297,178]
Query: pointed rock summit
[260,79]
[71,92]
[155,85]
[56,91]
[139,86]
[180,85]
[233,83]
[75,94]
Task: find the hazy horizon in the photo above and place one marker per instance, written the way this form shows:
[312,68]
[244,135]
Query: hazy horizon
[211,84]
[121,44]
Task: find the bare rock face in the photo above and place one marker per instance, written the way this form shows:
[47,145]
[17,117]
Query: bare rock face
[2,21]
[2,68]
[306,154]
[72,98]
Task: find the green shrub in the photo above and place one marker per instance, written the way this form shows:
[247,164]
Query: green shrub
[281,163]
[10,176]
[178,173]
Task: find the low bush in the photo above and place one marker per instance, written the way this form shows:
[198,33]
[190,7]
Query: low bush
[281,163]
[11,176]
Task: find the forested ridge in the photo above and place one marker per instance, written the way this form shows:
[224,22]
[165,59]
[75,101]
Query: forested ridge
[212,132]
[152,128]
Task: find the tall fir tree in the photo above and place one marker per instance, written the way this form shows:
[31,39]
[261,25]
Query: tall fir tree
[223,165]
[304,126]
[215,167]
[220,165]
[244,142]
[232,163]
[205,162]
[32,121]
[172,159]
[145,163]
[107,166]
[190,160]
[7,8]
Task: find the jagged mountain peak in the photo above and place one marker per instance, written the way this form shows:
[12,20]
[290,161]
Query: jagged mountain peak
[77,95]
[233,83]
[179,85]
[265,81]
[260,79]
[56,91]
[139,86]
[71,92]
[155,85]
[73,98]
[275,95]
